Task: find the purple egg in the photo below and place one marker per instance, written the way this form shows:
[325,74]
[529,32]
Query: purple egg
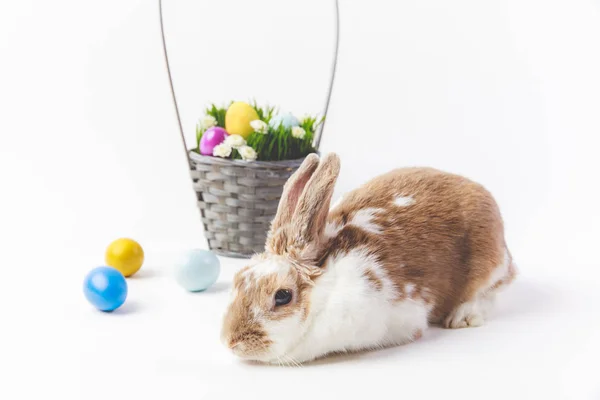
[211,138]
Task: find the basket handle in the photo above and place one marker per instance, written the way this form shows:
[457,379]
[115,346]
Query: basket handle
[319,134]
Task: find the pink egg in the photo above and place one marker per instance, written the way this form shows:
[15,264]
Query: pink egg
[211,138]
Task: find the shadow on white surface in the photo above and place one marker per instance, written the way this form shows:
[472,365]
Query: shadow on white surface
[525,298]
[145,274]
[130,307]
[218,287]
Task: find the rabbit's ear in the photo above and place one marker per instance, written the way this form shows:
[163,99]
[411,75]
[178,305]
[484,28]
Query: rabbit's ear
[292,191]
[310,215]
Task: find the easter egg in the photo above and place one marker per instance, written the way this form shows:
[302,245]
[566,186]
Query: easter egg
[126,255]
[238,118]
[210,138]
[105,288]
[197,270]
[287,120]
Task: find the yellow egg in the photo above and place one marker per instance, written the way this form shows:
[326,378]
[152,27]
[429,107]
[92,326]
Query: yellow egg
[238,118]
[125,255]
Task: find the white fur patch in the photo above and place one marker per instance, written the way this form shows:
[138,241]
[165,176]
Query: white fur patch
[472,313]
[257,312]
[264,269]
[348,313]
[408,318]
[403,201]
[409,288]
[279,333]
[268,268]
[247,279]
[332,229]
[363,219]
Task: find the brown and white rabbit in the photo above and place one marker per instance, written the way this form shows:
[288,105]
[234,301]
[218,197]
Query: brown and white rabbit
[412,247]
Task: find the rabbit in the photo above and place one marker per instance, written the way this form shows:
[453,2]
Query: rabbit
[411,248]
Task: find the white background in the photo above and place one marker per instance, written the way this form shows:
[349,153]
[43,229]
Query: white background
[507,93]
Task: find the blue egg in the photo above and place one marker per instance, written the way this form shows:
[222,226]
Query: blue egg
[105,288]
[287,120]
[197,270]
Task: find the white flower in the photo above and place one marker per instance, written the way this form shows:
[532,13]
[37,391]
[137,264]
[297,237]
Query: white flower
[222,150]
[208,121]
[235,141]
[247,153]
[259,126]
[303,119]
[298,132]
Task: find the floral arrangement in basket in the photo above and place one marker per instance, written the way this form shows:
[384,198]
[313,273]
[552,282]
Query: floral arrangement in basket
[243,131]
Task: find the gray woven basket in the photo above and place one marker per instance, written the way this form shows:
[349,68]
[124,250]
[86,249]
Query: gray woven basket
[238,199]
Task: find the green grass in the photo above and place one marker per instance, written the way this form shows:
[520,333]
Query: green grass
[278,144]
[218,113]
[264,114]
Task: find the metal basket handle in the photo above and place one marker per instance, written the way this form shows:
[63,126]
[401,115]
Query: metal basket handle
[319,134]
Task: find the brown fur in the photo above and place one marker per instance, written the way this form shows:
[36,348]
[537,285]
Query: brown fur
[292,191]
[446,244]
[242,329]
[297,228]
[448,241]
[242,325]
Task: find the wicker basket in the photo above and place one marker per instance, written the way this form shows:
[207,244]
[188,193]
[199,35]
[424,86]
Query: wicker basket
[238,200]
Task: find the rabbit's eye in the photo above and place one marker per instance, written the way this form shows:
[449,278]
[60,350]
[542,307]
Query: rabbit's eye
[282,297]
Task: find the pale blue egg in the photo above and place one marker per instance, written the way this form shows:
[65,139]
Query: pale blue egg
[197,270]
[287,120]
